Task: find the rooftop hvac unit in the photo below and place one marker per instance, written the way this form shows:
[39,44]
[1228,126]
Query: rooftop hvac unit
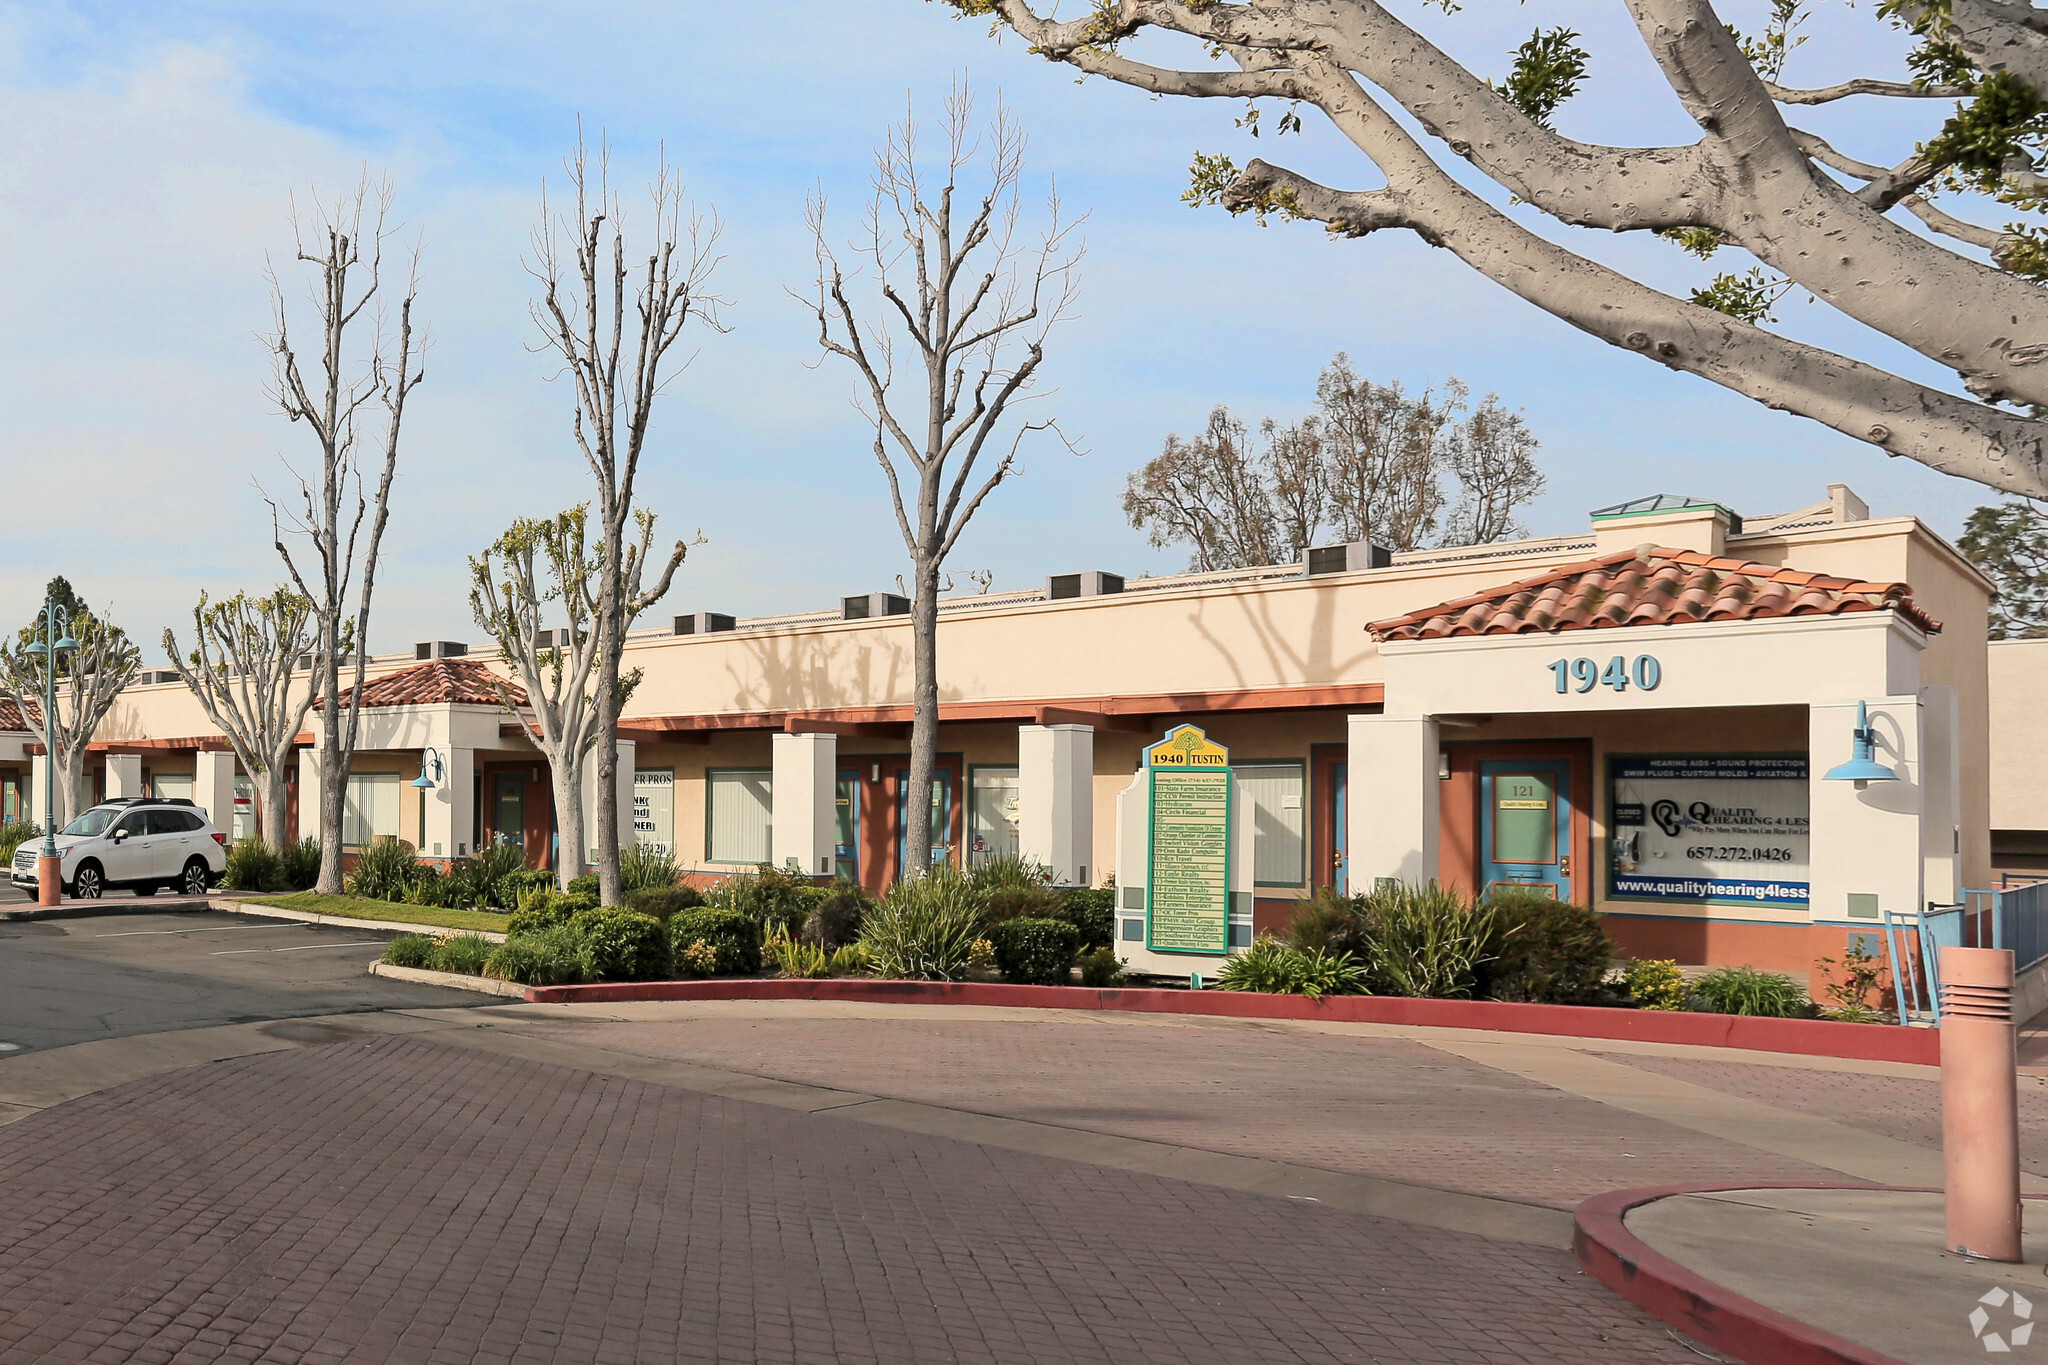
[157,675]
[553,639]
[439,649]
[1094,583]
[703,623]
[305,662]
[871,604]
[1359,554]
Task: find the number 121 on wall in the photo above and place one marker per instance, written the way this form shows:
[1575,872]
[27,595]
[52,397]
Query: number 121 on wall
[1583,675]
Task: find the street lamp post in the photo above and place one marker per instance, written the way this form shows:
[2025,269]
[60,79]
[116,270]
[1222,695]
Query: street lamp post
[56,625]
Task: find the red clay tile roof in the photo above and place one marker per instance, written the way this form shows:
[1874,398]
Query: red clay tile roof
[1651,586]
[437,683]
[12,720]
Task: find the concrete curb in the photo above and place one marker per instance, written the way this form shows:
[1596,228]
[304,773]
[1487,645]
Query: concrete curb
[126,905]
[1807,1037]
[460,981]
[1738,1327]
[345,922]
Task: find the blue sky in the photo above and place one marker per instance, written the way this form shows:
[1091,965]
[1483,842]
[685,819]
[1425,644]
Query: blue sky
[154,146]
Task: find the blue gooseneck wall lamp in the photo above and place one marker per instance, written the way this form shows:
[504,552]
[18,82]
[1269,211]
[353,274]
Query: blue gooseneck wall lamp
[1862,766]
[430,761]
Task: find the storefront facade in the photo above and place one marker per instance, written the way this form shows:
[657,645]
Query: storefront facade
[1658,764]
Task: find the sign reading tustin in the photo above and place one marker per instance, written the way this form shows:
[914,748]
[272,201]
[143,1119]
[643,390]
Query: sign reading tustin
[1188,873]
[1714,828]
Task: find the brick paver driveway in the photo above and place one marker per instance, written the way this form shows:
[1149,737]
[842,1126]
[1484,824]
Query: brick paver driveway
[405,1200]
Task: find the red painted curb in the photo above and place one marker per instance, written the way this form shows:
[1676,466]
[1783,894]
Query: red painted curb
[1708,1313]
[1808,1037]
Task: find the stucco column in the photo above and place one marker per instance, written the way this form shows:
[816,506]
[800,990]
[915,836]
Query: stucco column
[309,793]
[805,782]
[124,775]
[623,781]
[1056,799]
[450,808]
[1866,846]
[1941,785]
[1392,802]
[213,787]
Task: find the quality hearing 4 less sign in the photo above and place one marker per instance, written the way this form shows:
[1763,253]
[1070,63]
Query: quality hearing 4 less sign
[1714,829]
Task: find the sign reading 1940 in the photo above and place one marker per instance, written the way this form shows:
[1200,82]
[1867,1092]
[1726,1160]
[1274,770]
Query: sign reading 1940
[1188,879]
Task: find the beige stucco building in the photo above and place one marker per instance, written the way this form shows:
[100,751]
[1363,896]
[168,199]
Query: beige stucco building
[1639,717]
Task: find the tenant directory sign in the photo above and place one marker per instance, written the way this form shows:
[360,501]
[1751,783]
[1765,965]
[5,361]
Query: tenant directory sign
[1710,829]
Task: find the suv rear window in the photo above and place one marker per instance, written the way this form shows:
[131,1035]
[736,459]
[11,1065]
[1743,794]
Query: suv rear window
[172,822]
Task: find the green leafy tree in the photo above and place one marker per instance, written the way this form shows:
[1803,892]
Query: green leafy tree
[2009,542]
[1941,247]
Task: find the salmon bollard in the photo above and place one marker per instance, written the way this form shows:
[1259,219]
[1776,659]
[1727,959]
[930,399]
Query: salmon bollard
[1980,1135]
[49,881]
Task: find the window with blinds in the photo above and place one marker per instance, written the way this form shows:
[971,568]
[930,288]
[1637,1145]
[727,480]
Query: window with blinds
[1279,843]
[992,813]
[369,810]
[739,813]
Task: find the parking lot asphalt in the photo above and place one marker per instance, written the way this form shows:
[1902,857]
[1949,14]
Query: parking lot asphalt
[116,975]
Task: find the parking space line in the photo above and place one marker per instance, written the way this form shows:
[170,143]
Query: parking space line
[222,929]
[303,947]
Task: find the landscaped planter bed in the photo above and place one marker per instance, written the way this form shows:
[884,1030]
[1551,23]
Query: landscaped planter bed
[1809,1037]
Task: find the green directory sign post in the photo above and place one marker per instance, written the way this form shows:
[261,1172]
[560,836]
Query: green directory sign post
[1187,876]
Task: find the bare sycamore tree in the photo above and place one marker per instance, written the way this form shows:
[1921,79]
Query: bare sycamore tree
[350,390]
[1866,238]
[88,681]
[513,586]
[1372,462]
[241,667]
[974,300]
[614,328]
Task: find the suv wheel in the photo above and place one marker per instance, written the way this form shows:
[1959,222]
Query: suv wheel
[88,883]
[193,883]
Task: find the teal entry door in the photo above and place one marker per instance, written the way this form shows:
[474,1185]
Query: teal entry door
[1340,837]
[846,830]
[1525,825]
[941,815]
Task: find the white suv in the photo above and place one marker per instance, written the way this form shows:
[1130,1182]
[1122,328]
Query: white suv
[143,843]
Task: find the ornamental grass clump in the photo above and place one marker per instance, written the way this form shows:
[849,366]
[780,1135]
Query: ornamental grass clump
[1273,967]
[384,871]
[1748,990]
[464,953]
[13,835]
[253,866]
[926,929]
[298,865]
[409,950]
[1426,941]
[647,867]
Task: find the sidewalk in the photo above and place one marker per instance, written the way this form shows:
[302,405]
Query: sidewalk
[1753,1271]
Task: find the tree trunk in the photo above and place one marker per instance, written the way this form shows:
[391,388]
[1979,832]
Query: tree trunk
[333,786]
[270,816]
[924,723]
[71,784]
[610,887]
[567,777]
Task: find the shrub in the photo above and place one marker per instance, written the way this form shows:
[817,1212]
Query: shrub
[541,910]
[1035,952]
[1101,967]
[298,864]
[430,887]
[647,867]
[253,866]
[835,922]
[409,950]
[585,885]
[13,835]
[465,953]
[770,896]
[547,957]
[1545,951]
[851,960]
[621,944]
[385,871]
[1747,990]
[1655,984]
[925,929]
[663,901]
[733,938]
[1008,872]
[981,956]
[794,956]
[1092,911]
[1276,968]
[1427,941]
[1326,924]
[484,880]
[515,886]
[1849,999]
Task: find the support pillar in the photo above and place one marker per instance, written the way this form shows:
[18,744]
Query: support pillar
[623,784]
[449,810]
[802,833]
[213,787]
[1866,846]
[309,793]
[124,776]
[39,778]
[1393,802]
[1056,799]
[1941,785]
